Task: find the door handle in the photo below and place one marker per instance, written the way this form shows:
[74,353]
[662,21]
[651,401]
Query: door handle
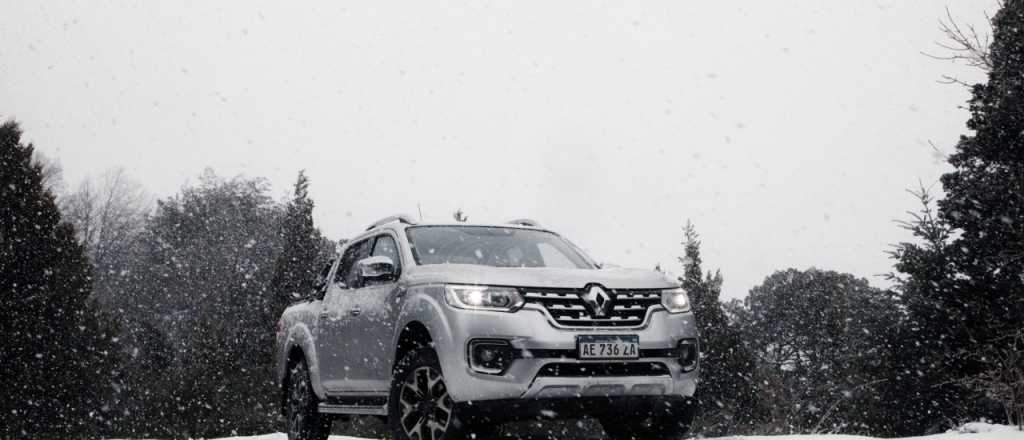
[355,312]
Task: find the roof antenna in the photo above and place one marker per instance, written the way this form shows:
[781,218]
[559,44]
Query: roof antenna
[420,209]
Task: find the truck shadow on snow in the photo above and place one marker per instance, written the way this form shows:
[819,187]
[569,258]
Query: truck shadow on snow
[571,429]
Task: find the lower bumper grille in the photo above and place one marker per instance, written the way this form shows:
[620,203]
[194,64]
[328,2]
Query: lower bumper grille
[609,369]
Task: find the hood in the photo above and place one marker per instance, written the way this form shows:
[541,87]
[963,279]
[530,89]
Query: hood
[612,278]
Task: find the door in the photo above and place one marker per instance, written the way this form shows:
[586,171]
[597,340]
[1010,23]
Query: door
[336,340]
[374,324]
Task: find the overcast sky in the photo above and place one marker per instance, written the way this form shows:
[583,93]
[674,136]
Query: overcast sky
[787,131]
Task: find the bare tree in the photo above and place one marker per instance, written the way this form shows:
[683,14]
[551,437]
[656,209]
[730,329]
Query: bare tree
[964,44]
[1002,378]
[51,171]
[107,211]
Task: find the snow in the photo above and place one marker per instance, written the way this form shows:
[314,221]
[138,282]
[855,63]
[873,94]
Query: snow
[1006,432]
[970,431]
[282,436]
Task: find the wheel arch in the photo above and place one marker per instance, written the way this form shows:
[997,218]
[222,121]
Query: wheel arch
[414,335]
[422,322]
[299,344]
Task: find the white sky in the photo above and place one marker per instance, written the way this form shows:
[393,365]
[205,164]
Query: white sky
[787,131]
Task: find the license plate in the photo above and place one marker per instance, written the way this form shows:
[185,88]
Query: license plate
[607,347]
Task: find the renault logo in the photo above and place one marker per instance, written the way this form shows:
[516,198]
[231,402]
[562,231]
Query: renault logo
[597,300]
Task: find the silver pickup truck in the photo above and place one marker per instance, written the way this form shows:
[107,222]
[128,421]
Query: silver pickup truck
[449,329]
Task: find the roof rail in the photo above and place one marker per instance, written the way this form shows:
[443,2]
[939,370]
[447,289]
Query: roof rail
[401,218]
[525,222]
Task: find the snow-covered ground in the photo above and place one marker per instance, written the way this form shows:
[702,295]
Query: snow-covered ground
[970,431]
[280,436]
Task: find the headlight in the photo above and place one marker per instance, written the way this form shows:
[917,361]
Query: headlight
[675,300]
[503,299]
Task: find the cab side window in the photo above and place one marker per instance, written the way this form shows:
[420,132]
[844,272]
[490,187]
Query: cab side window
[346,273]
[385,246]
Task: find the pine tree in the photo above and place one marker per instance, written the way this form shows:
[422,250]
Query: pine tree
[921,367]
[295,270]
[59,358]
[963,285]
[725,395]
[693,277]
[985,194]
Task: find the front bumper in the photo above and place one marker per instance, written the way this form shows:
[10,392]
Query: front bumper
[546,350]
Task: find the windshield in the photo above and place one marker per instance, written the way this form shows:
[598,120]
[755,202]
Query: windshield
[493,246]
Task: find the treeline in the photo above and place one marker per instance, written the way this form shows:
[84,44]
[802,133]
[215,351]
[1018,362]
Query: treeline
[806,351]
[820,351]
[130,318]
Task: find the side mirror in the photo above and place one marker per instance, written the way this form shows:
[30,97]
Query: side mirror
[379,268]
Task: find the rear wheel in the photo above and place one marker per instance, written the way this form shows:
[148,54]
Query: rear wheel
[419,407]
[663,422]
[304,421]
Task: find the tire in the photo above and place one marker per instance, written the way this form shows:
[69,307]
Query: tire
[419,407]
[662,422]
[303,421]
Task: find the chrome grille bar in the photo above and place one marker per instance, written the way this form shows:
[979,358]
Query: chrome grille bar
[565,306]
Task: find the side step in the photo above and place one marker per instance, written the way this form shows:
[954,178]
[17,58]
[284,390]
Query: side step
[361,410]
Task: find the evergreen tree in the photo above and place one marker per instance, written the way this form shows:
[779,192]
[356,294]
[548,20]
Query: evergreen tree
[693,275]
[922,368]
[985,197]
[725,395]
[962,283]
[296,268]
[59,357]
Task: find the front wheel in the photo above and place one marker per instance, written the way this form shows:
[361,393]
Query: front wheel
[419,407]
[304,421]
[663,422]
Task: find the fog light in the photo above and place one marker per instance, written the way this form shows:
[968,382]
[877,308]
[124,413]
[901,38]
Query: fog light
[487,355]
[688,353]
[490,356]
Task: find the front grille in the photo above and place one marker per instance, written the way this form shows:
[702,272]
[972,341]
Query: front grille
[629,307]
[608,369]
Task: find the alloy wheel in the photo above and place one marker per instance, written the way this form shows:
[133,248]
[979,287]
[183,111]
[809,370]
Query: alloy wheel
[426,408]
